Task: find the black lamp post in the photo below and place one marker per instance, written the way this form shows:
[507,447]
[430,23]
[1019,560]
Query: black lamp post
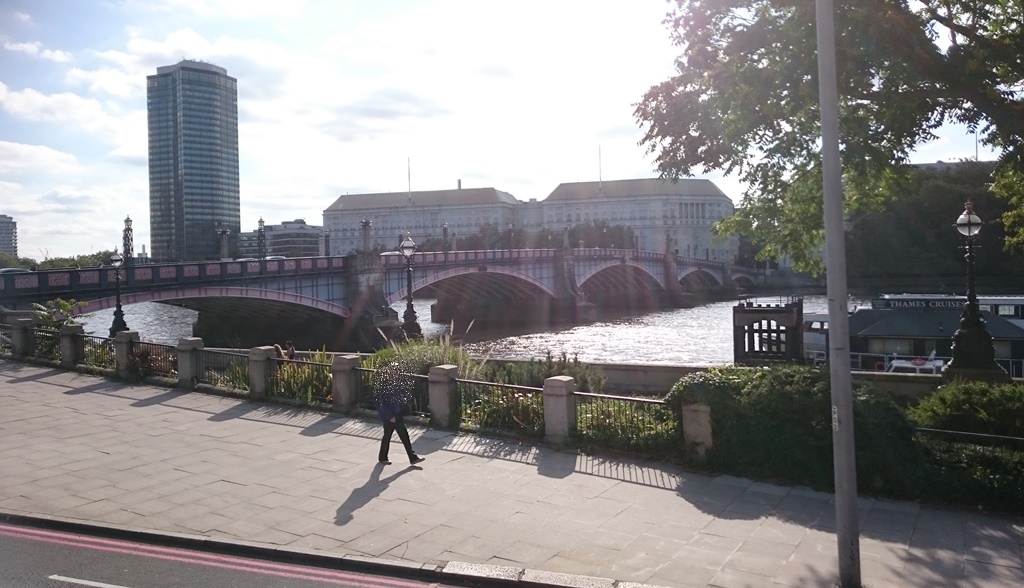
[118,325]
[973,352]
[223,233]
[510,240]
[327,242]
[409,324]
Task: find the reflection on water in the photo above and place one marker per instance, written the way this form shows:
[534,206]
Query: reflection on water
[688,336]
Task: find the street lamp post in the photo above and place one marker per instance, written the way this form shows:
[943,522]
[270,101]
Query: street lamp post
[261,240]
[974,356]
[118,324]
[223,232]
[409,324]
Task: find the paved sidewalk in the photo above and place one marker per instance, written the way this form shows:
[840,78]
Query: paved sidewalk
[89,449]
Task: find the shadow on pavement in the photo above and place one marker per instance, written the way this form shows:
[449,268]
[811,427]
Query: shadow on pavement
[362,495]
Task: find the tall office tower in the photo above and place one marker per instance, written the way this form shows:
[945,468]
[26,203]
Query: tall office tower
[8,235]
[193,160]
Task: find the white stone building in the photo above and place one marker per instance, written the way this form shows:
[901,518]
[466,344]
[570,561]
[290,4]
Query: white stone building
[656,210]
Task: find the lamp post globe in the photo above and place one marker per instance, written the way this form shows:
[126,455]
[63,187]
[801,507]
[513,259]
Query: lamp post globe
[118,323]
[409,323]
[972,348]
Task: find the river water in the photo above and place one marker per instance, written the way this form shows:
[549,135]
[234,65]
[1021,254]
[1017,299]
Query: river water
[699,336]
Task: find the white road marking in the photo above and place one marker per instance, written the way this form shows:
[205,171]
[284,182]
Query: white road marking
[84,582]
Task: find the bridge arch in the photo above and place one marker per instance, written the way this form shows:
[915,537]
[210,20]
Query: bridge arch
[594,270]
[217,292]
[699,278]
[447,274]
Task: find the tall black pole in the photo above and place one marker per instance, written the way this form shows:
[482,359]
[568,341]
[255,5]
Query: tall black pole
[128,239]
[118,324]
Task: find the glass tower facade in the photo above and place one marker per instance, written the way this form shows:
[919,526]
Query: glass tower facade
[193,160]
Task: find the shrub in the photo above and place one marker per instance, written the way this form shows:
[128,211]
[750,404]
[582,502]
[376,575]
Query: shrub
[966,474]
[307,381]
[775,423]
[973,407]
[588,378]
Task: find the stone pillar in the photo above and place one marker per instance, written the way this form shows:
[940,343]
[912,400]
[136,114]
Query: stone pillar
[122,348]
[443,392]
[261,366]
[72,345]
[344,382]
[188,361]
[696,424]
[23,337]
[559,409]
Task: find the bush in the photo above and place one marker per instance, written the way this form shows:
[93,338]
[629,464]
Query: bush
[775,423]
[973,407]
[965,474]
[588,378]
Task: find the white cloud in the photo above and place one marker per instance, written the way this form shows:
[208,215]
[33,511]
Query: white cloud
[21,157]
[36,48]
[119,83]
[22,17]
[243,9]
[30,104]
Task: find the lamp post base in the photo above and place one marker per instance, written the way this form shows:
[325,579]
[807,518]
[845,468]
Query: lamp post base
[994,373]
[410,326]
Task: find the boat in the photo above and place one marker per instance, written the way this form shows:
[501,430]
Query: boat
[912,333]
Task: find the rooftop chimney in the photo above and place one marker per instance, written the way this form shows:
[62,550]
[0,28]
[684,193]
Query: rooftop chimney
[460,184]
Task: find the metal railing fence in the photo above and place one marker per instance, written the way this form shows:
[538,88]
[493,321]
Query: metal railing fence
[152,359]
[6,343]
[626,423]
[489,406]
[96,351]
[223,369]
[47,344]
[306,381]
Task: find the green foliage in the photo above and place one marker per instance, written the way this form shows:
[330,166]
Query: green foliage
[648,428]
[100,354]
[973,407]
[150,359]
[744,101]
[234,376]
[990,478]
[588,378]
[496,408]
[420,355]
[54,314]
[775,423]
[100,258]
[308,381]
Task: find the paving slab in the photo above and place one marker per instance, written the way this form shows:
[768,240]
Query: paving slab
[84,450]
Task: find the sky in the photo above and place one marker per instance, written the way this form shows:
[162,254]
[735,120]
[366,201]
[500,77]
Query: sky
[333,98]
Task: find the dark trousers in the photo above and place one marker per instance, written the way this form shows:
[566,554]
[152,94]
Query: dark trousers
[403,434]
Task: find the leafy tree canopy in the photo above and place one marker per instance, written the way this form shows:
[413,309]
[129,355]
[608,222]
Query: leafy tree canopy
[745,101]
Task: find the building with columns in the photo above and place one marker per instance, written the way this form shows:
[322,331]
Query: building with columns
[664,215]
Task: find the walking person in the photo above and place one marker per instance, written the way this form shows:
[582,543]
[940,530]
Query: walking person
[393,392]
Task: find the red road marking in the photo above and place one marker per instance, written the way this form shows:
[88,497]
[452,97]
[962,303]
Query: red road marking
[206,559]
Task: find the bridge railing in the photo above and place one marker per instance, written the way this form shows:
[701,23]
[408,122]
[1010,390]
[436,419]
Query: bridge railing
[489,406]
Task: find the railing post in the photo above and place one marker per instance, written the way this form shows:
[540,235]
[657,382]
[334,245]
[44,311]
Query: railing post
[23,337]
[343,382]
[696,423]
[261,365]
[72,346]
[559,409]
[441,391]
[122,350]
[188,361]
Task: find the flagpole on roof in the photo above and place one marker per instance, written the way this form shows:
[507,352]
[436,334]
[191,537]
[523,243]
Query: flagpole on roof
[408,171]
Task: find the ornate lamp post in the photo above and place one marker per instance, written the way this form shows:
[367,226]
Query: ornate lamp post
[365,225]
[409,324]
[974,356]
[511,243]
[327,242]
[261,240]
[128,241]
[118,325]
[222,233]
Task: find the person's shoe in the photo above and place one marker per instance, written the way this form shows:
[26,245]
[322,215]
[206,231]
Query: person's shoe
[416,459]
[385,462]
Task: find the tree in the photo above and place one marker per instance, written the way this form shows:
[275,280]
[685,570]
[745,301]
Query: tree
[745,101]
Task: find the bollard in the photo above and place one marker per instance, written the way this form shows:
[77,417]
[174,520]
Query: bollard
[559,409]
[441,391]
[261,367]
[188,349]
[696,424]
[344,383]
[72,345]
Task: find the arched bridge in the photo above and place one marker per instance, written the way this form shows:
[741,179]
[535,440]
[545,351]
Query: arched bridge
[344,287]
